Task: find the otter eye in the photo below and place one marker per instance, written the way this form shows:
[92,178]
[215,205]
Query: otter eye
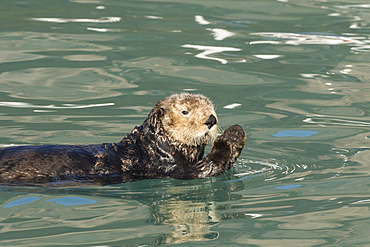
[185,112]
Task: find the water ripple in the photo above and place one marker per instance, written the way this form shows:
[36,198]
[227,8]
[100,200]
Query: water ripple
[66,20]
[335,121]
[209,50]
[304,38]
[63,106]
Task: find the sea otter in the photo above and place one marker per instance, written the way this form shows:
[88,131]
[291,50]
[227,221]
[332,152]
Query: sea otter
[169,144]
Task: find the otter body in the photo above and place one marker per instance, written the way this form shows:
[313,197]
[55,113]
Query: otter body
[169,144]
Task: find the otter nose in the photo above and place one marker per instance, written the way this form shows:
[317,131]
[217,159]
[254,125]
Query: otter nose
[211,121]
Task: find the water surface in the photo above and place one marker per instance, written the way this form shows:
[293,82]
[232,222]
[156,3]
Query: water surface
[293,73]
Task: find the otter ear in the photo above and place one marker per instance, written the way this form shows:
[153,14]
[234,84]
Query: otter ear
[160,112]
[154,119]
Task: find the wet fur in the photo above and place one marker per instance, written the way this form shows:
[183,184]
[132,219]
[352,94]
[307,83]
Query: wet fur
[169,144]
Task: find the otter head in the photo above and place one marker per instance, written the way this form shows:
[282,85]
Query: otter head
[184,118]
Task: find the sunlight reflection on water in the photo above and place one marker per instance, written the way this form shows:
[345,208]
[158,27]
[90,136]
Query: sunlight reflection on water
[293,73]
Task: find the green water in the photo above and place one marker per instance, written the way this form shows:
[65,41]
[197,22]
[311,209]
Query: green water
[295,74]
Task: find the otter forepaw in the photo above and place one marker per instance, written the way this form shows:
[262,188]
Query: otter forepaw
[236,135]
[231,142]
[225,150]
[222,142]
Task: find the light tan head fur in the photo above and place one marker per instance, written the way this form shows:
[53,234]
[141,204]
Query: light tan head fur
[182,117]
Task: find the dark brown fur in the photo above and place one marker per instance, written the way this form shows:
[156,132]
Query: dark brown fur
[149,151]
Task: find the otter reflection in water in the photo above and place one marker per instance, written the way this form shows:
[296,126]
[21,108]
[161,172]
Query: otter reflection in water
[192,209]
[169,144]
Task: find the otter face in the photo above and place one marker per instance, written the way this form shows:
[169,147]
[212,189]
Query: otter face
[189,119]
